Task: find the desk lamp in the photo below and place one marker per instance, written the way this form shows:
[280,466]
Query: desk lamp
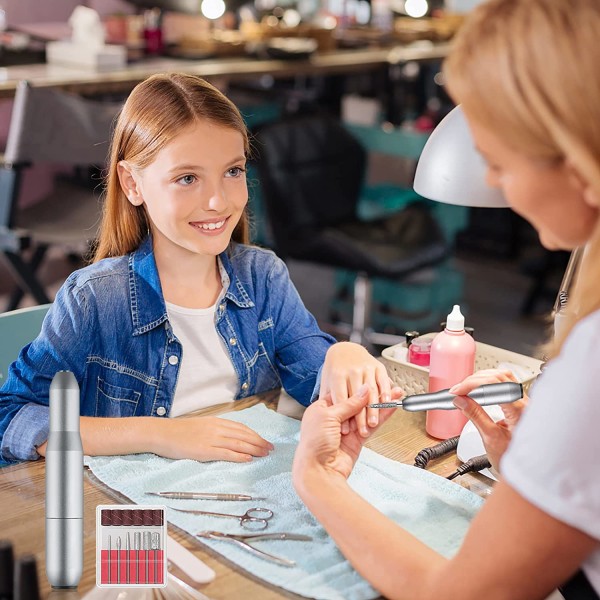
[450,170]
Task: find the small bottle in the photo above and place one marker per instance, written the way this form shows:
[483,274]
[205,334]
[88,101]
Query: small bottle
[419,351]
[152,31]
[452,359]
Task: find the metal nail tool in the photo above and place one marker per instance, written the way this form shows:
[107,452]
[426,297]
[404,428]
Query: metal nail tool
[119,559]
[484,395]
[244,539]
[203,496]
[137,538]
[255,519]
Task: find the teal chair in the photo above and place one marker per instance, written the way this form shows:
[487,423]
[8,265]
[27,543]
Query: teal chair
[17,329]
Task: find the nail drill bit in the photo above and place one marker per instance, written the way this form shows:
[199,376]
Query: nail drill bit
[155,545]
[136,544]
[109,557]
[146,548]
[119,559]
[128,550]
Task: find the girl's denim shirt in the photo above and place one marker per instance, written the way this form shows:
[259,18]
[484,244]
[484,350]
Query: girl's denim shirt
[109,326]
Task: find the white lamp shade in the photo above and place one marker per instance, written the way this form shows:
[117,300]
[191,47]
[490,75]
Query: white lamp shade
[451,171]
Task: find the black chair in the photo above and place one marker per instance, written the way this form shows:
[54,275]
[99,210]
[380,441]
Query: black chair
[311,172]
[51,127]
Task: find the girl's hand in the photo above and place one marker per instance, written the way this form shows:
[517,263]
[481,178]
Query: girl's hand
[322,445]
[347,367]
[209,438]
[496,436]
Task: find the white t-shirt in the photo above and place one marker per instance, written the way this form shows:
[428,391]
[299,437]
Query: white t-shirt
[553,460]
[206,373]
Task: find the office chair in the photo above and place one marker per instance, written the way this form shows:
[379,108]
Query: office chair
[51,127]
[311,171]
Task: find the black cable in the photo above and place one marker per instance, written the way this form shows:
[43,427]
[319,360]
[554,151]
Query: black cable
[475,464]
[436,451]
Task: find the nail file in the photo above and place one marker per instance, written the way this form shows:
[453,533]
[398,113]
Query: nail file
[190,564]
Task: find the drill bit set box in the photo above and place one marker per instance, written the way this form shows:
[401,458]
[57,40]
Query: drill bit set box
[131,546]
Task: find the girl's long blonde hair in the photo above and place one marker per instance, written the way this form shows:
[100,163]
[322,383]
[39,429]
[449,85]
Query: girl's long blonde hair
[155,112]
[528,69]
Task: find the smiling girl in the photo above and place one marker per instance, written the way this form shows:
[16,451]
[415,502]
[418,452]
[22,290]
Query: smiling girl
[177,312]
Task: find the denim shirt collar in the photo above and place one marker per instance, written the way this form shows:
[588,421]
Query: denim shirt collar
[147,302]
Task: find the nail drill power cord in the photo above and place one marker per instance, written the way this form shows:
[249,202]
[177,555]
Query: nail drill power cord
[475,464]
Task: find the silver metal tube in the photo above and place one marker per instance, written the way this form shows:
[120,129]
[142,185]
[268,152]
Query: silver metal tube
[484,395]
[64,485]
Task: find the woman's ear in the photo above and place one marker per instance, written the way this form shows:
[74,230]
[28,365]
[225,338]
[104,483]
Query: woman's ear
[129,183]
[589,195]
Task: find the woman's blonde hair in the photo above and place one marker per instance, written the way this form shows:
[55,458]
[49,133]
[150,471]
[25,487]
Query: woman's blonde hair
[528,69]
[155,112]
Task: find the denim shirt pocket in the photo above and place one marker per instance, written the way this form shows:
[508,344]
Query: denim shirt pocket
[115,401]
[267,376]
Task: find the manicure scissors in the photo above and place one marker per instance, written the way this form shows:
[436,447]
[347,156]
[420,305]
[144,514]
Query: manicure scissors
[243,541]
[255,519]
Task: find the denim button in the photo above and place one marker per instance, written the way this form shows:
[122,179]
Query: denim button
[221,307]
[173,360]
[161,411]
[232,341]
[245,386]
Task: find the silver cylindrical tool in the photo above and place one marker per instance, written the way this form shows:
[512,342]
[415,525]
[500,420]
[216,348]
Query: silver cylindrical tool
[484,395]
[64,485]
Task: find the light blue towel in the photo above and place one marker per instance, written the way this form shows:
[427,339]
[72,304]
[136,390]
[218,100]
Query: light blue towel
[433,509]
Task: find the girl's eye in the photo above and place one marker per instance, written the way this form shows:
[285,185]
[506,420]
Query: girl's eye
[235,172]
[187,179]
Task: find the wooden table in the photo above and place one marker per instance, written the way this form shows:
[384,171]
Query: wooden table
[79,79]
[22,499]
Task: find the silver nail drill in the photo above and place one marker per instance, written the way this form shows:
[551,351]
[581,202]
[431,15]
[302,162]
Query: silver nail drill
[484,395]
[64,485]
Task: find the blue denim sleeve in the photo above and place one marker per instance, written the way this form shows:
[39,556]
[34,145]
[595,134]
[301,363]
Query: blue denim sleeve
[300,346]
[24,412]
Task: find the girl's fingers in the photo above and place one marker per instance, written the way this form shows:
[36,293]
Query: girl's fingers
[385,394]
[356,379]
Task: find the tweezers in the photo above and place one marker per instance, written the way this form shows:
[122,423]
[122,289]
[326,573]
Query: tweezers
[243,539]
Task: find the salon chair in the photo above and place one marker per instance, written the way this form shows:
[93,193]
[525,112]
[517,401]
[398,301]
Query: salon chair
[51,127]
[311,171]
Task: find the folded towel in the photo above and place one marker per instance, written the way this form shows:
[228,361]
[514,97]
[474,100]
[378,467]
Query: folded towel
[433,509]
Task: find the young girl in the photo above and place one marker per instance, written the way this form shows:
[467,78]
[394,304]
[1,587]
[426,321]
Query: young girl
[526,73]
[177,312]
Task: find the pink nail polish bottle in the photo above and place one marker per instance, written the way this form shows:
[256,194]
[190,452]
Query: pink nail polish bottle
[452,359]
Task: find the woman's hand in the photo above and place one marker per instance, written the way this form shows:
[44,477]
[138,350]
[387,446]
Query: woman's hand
[322,445]
[347,367]
[496,436]
[208,438]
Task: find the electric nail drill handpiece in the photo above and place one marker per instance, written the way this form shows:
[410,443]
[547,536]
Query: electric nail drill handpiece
[64,485]
[484,395]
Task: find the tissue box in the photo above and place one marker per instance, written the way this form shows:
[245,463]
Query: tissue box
[102,58]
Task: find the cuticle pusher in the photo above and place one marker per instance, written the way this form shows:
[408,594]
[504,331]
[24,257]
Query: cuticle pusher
[203,496]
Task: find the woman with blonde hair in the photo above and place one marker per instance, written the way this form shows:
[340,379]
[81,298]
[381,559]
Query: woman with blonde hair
[177,312]
[526,74]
